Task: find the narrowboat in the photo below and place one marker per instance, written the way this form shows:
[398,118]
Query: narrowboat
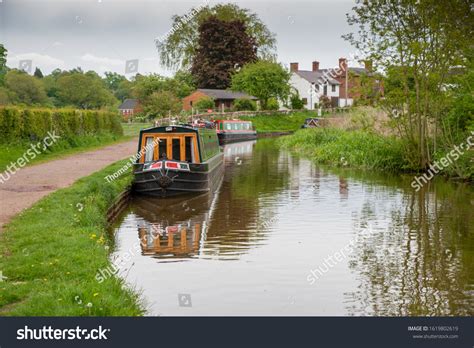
[230,131]
[177,159]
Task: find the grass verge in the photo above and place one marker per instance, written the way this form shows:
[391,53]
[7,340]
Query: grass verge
[279,123]
[50,254]
[356,149]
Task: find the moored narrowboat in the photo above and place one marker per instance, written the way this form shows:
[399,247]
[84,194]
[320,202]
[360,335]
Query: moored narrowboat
[177,159]
[230,131]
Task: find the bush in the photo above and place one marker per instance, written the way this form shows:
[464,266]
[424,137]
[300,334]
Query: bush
[296,102]
[272,104]
[205,103]
[33,124]
[244,104]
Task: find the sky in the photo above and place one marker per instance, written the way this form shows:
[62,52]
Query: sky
[101,35]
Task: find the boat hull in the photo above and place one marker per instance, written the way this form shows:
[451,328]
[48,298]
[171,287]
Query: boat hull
[226,138]
[200,178]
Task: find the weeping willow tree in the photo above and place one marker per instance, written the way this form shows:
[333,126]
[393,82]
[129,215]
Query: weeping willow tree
[418,42]
[178,47]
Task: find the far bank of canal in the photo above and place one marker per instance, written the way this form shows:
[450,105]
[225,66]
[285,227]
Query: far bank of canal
[283,236]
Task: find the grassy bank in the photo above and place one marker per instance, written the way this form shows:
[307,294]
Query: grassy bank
[279,123]
[51,253]
[356,149]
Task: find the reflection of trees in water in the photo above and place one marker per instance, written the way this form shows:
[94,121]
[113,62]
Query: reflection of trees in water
[421,263]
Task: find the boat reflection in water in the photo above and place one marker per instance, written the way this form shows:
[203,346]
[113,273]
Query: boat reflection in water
[173,230]
[178,227]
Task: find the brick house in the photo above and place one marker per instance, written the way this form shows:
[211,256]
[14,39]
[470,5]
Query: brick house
[223,98]
[362,83]
[129,107]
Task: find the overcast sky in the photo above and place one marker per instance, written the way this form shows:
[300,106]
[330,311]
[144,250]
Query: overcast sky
[101,35]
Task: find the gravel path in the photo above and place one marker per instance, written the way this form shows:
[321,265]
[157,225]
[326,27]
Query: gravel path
[29,184]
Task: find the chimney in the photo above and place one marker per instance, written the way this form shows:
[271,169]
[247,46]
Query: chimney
[315,65]
[368,64]
[343,64]
[294,67]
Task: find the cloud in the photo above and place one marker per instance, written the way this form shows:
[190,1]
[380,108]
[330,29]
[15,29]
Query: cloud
[90,58]
[42,61]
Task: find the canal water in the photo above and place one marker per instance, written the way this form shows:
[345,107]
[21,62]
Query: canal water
[282,236]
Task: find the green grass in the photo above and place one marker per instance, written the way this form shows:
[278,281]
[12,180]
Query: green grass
[279,123]
[355,149]
[51,253]
[133,129]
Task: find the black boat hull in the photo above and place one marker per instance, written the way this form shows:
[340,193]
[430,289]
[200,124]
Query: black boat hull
[226,138]
[200,179]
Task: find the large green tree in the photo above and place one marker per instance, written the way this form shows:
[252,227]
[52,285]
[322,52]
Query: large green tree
[421,40]
[24,88]
[264,80]
[223,47]
[180,85]
[178,47]
[3,64]
[84,90]
[161,104]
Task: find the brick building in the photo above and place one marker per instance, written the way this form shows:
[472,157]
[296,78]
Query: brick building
[223,98]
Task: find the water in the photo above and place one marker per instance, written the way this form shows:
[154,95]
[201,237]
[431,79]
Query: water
[281,236]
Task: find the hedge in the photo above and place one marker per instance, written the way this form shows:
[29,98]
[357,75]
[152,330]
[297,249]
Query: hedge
[34,124]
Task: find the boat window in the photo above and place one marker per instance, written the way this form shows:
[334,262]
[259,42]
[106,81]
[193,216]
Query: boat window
[149,149]
[162,148]
[228,126]
[189,150]
[176,150]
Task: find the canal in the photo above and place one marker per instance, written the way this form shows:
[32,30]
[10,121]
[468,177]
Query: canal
[282,236]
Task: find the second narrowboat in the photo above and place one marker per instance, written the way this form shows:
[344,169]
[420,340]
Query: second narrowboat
[177,159]
[230,131]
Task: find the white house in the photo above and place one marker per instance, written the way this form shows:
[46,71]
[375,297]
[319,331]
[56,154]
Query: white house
[312,85]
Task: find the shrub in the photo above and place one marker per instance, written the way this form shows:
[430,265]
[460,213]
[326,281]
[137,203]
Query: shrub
[244,104]
[296,102]
[272,104]
[18,124]
[205,103]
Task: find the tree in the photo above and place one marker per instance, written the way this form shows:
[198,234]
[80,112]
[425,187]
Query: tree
[83,90]
[3,64]
[179,85]
[178,48]
[244,104]
[205,103]
[422,39]
[38,73]
[223,47]
[24,88]
[161,104]
[264,80]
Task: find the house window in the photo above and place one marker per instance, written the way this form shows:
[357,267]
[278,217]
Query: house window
[305,101]
[191,103]
[325,90]
[333,88]
[316,88]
